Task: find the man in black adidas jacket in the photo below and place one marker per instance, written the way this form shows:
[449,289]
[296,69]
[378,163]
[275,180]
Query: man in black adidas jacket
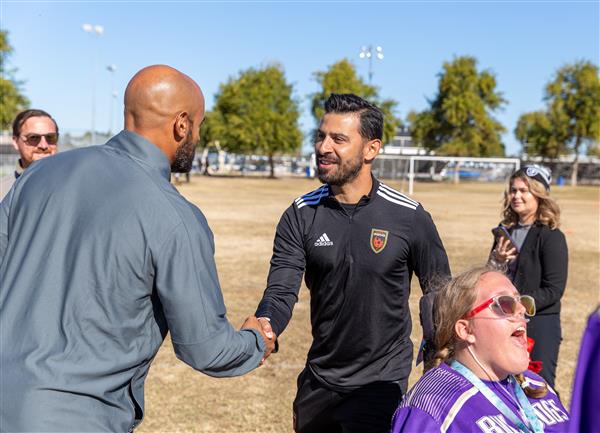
[358,241]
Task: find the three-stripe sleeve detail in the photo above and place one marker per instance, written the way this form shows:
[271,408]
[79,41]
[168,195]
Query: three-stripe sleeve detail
[313,197]
[396,197]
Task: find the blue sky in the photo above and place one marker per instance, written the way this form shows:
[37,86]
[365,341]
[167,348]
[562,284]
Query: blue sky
[522,42]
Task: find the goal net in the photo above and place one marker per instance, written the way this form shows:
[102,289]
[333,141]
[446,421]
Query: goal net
[409,168]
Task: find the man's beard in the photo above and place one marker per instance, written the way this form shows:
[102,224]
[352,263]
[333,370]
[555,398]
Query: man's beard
[345,173]
[184,156]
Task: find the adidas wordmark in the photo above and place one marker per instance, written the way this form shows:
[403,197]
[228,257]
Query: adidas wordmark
[323,241]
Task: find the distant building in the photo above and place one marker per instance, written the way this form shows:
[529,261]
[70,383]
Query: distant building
[8,154]
[69,140]
[402,144]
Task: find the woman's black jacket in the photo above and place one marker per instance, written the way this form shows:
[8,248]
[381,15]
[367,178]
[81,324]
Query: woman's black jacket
[541,269]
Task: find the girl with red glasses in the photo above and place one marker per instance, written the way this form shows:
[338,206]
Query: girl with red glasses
[478,379]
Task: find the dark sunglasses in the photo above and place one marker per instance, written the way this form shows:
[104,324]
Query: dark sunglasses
[34,139]
[506,305]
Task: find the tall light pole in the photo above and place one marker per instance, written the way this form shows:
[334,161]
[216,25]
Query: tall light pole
[113,96]
[368,53]
[94,30]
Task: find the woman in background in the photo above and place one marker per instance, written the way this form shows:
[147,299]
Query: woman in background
[535,256]
[478,380]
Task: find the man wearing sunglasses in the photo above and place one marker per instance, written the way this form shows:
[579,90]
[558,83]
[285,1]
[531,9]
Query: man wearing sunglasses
[35,136]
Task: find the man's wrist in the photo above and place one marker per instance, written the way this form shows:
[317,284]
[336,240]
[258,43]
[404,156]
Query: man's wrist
[268,319]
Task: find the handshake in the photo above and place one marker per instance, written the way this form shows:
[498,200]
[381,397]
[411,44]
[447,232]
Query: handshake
[263,326]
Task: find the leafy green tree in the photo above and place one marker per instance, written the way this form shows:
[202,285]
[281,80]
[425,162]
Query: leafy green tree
[255,112]
[212,131]
[537,134]
[390,121]
[11,99]
[594,149]
[212,135]
[341,77]
[459,121]
[573,99]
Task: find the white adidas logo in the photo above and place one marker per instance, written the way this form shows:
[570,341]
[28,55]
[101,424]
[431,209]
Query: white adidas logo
[323,241]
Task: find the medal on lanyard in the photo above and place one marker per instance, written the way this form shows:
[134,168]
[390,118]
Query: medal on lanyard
[535,425]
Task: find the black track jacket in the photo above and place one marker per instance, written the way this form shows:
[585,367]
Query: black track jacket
[358,268]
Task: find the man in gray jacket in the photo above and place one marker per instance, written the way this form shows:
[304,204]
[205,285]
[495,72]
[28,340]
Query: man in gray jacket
[99,258]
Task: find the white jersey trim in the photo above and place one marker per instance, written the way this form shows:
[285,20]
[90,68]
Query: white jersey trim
[383,194]
[456,407]
[398,195]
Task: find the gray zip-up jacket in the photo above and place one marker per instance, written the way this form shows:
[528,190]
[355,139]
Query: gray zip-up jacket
[99,258]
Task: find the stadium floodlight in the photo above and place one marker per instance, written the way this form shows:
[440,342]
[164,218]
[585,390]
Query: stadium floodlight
[93,30]
[369,53]
[113,95]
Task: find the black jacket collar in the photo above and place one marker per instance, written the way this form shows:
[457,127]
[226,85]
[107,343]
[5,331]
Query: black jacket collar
[365,199]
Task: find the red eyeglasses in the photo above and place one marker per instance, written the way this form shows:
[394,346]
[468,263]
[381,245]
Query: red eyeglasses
[506,305]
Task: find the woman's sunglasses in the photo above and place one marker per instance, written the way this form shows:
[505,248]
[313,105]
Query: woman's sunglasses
[506,305]
[34,139]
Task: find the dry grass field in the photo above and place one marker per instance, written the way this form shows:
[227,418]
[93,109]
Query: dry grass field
[243,213]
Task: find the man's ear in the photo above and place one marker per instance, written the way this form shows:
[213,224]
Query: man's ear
[14,143]
[371,149]
[181,125]
[462,328]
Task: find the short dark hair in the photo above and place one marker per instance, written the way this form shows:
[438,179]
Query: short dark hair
[27,114]
[371,117]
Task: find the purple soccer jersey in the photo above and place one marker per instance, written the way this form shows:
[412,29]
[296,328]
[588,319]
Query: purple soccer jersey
[585,413]
[444,401]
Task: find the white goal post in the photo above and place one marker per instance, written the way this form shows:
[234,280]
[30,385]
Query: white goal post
[455,162]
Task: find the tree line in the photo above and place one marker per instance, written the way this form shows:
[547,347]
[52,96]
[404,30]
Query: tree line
[256,111]
[12,99]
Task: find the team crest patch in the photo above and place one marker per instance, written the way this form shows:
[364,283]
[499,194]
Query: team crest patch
[378,240]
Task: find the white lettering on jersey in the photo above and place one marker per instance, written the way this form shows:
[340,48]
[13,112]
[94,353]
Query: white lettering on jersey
[560,414]
[549,413]
[495,424]
[502,421]
[541,414]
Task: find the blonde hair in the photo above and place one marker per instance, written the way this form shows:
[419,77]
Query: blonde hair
[548,212]
[452,301]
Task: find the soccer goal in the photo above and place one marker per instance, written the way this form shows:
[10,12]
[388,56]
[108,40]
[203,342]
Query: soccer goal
[409,168]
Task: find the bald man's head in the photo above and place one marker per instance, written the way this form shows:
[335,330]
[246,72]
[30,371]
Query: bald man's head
[165,106]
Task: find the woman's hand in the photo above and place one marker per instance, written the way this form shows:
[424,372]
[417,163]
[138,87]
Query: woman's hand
[504,252]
